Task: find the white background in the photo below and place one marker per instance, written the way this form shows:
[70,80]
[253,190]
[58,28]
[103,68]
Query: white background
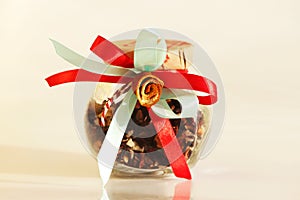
[254,44]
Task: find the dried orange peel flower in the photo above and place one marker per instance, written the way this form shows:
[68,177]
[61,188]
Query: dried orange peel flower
[148,89]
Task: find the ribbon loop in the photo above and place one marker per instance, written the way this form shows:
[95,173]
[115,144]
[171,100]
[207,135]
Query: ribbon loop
[188,101]
[88,64]
[150,51]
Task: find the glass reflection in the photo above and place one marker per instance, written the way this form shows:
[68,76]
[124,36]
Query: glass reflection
[164,189]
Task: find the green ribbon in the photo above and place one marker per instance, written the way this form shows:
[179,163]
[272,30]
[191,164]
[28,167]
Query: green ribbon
[188,101]
[150,51]
[111,144]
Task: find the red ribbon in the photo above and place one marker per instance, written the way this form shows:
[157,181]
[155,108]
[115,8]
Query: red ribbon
[111,54]
[81,75]
[171,146]
[193,82]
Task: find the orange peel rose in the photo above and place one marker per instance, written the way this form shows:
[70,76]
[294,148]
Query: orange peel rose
[148,89]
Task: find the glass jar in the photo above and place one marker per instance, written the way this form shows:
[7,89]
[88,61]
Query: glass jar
[141,153]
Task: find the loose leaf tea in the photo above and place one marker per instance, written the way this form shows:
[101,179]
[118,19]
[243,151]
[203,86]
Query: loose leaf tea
[140,139]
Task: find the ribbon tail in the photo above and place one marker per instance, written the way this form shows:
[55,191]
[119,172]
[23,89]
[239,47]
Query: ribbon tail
[67,54]
[80,75]
[111,144]
[88,64]
[171,146]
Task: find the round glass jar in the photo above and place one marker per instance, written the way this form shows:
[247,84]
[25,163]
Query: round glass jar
[140,152]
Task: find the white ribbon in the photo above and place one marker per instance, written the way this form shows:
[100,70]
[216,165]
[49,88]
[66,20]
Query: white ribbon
[111,144]
[187,99]
[88,64]
[150,51]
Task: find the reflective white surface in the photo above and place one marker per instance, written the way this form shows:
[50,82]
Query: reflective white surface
[29,175]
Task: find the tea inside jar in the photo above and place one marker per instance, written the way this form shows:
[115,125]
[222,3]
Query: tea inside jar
[140,147]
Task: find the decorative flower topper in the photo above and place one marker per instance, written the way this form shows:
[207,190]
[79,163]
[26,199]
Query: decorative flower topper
[150,86]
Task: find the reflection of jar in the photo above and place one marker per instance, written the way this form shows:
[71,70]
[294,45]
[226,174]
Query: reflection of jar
[149,189]
[140,151]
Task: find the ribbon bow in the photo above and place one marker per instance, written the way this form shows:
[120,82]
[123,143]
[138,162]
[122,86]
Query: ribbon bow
[141,72]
